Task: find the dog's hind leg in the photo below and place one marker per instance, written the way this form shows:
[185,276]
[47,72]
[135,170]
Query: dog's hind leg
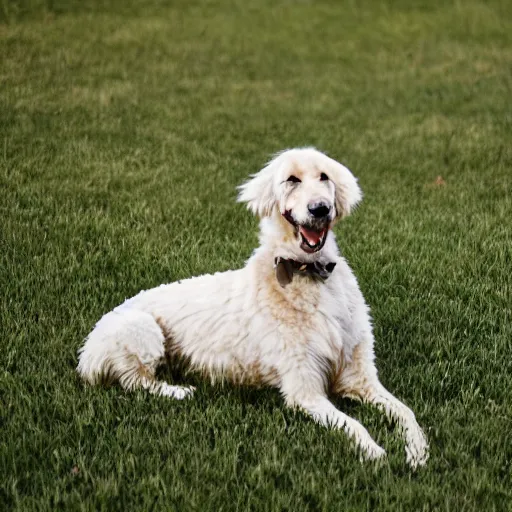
[127,345]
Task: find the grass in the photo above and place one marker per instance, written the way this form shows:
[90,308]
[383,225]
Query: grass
[125,127]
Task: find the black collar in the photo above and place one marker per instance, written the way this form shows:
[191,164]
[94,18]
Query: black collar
[285,269]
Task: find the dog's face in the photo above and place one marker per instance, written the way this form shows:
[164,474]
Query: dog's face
[309,189]
[306,199]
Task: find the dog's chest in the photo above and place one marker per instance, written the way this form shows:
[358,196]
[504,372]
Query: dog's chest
[309,315]
[296,303]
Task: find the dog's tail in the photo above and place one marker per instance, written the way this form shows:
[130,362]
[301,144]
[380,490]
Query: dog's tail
[126,346]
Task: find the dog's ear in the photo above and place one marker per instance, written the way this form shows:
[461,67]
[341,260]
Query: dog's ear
[258,192]
[348,194]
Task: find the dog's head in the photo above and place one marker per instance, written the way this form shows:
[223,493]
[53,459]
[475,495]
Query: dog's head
[309,189]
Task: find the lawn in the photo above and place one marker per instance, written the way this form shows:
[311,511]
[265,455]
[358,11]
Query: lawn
[125,126]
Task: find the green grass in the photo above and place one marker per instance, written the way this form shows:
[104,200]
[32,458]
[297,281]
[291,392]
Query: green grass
[125,127]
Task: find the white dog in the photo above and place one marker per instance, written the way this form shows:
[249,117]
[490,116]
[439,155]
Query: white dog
[293,317]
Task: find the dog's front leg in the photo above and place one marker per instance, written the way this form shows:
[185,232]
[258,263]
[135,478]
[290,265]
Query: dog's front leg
[323,411]
[416,446]
[359,380]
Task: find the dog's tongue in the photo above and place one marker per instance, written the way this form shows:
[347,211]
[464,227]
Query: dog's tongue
[313,237]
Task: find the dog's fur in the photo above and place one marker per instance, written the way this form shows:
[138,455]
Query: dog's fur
[306,338]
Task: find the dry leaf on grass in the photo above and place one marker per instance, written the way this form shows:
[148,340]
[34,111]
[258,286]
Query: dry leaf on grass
[438,182]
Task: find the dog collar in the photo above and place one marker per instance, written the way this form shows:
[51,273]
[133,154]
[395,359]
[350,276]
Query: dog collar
[285,269]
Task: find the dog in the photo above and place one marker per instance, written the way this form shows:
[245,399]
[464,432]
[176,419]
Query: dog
[293,318]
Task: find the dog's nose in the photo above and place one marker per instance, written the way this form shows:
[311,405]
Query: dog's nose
[319,210]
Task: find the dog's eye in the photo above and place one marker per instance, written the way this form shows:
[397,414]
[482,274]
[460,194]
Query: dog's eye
[293,179]
[324,177]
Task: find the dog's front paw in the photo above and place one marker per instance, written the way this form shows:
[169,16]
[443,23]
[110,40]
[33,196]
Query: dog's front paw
[368,449]
[372,452]
[417,450]
[376,454]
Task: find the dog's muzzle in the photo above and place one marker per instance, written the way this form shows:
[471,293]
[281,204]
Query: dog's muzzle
[314,233]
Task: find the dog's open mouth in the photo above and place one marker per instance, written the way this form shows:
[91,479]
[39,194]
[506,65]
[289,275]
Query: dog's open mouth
[312,237]
[312,240]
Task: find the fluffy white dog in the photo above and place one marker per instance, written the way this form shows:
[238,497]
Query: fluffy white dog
[293,317]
